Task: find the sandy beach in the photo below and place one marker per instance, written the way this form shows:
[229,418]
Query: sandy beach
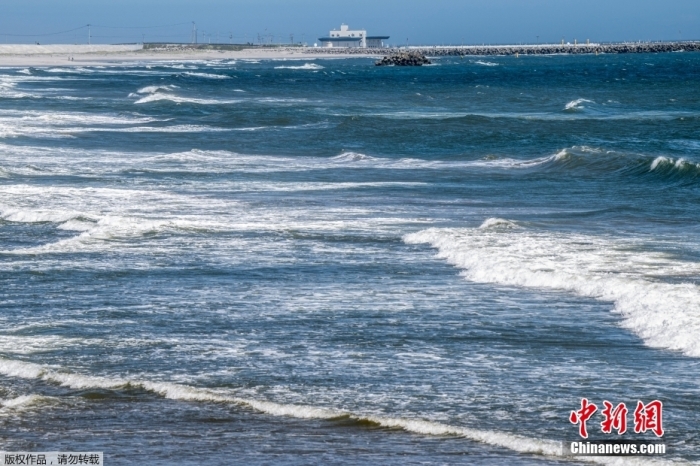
[104,55]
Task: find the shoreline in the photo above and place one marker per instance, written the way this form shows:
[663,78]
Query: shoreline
[14,56]
[28,55]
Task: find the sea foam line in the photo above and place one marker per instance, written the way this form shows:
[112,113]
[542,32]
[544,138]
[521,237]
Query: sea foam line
[517,443]
[181,392]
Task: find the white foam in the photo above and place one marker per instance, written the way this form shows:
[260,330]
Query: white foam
[352,157]
[63,124]
[206,75]
[173,391]
[38,216]
[485,63]
[101,234]
[177,99]
[663,315]
[155,129]
[680,163]
[658,161]
[305,66]
[576,104]
[154,89]
[494,222]
[188,393]
[20,401]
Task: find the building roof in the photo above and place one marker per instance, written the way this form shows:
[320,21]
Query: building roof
[377,37]
[340,39]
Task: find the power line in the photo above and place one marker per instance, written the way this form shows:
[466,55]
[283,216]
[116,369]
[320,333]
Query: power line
[140,27]
[47,34]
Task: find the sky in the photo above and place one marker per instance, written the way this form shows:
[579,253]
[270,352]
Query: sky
[413,22]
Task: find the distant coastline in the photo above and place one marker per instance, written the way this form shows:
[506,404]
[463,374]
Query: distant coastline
[20,55]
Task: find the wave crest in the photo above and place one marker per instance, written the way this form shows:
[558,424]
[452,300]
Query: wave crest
[352,157]
[576,104]
[206,75]
[305,66]
[495,222]
[187,393]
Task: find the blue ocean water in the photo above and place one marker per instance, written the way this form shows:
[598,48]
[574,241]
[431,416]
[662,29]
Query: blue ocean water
[312,261]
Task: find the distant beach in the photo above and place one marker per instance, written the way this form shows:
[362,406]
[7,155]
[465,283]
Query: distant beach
[95,55]
[12,55]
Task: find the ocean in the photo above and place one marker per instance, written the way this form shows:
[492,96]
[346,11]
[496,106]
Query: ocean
[324,261]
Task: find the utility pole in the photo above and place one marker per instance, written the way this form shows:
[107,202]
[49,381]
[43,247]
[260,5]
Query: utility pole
[291,38]
[89,35]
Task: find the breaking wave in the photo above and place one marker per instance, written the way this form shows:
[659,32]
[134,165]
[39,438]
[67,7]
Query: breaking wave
[664,315]
[494,222]
[576,104]
[485,63]
[352,157]
[154,89]
[155,97]
[22,401]
[188,393]
[182,392]
[305,66]
[676,167]
[206,75]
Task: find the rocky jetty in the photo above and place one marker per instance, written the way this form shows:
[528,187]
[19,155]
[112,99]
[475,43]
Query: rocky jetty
[544,49]
[412,58]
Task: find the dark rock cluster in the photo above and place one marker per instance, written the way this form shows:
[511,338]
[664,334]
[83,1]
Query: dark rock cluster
[404,59]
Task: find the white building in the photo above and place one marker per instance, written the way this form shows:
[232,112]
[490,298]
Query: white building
[349,38]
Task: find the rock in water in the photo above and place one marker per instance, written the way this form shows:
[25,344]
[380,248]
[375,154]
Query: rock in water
[404,59]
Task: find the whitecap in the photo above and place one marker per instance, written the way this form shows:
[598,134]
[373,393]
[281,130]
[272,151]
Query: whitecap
[183,392]
[495,222]
[679,164]
[352,157]
[206,75]
[38,216]
[154,89]
[305,66]
[190,100]
[576,104]
[485,63]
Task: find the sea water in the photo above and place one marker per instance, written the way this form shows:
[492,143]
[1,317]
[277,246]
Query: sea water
[324,261]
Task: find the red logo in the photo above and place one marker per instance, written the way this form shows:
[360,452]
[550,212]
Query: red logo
[582,415]
[614,418]
[646,417]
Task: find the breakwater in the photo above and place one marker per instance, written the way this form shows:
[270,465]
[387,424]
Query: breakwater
[546,49]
